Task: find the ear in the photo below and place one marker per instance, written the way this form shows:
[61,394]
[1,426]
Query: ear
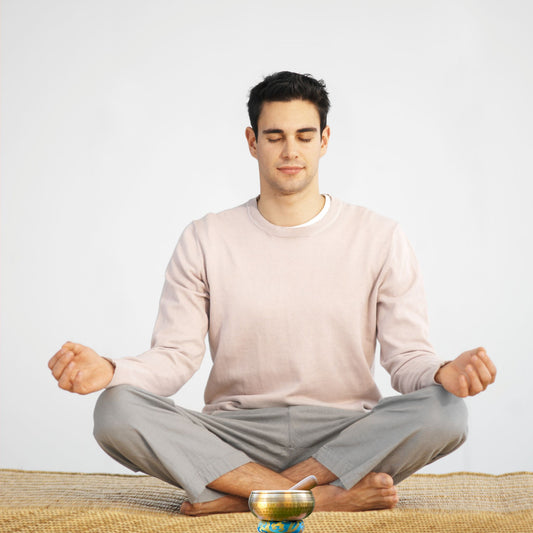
[252,142]
[325,140]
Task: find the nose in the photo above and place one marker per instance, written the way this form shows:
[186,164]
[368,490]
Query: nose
[289,149]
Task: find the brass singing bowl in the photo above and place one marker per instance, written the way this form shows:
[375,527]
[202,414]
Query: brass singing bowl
[279,505]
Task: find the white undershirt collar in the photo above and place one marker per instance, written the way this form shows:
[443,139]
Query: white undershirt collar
[319,216]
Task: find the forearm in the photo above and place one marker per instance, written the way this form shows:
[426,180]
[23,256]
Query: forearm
[159,371]
[413,370]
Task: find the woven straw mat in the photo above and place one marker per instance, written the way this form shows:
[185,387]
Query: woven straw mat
[67,502]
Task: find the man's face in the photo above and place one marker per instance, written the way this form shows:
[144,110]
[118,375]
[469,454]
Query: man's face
[288,146]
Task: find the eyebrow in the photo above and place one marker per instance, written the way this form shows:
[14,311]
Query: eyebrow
[301,130]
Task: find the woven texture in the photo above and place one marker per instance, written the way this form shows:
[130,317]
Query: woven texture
[65,502]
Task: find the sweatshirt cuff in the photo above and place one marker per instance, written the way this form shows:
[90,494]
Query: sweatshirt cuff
[427,377]
[442,363]
[115,380]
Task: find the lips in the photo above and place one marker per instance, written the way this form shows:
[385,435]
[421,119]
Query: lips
[290,169]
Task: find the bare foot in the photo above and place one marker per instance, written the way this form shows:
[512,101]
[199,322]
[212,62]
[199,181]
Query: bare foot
[374,491]
[225,504]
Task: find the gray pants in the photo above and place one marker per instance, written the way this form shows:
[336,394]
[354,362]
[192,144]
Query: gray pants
[400,435]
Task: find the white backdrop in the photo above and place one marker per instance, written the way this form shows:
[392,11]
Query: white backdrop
[123,120]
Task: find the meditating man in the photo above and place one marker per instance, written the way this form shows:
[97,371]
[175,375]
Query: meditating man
[293,289]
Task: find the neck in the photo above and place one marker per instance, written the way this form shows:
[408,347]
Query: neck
[290,209]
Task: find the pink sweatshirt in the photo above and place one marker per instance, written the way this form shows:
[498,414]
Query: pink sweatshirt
[292,314]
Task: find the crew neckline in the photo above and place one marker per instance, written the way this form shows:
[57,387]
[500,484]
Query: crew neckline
[320,215]
[293,231]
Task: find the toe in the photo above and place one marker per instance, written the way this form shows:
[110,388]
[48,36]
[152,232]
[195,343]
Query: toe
[383,480]
[185,508]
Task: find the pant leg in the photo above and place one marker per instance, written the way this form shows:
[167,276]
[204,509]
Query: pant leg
[399,436]
[149,433]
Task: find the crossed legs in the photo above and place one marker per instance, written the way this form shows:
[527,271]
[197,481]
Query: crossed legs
[374,491]
[357,458]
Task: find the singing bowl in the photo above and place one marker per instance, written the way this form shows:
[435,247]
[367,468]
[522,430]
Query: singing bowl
[281,505]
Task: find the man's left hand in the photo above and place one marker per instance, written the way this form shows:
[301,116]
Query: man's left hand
[467,375]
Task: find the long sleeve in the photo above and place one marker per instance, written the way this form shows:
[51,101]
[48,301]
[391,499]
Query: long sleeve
[178,340]
[402,322]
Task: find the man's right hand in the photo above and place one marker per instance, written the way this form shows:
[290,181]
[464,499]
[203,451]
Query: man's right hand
[79,369]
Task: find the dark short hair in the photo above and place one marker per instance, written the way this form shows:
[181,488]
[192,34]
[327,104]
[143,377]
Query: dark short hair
[284,87]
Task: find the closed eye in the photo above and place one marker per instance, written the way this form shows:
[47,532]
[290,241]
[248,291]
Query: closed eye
[277,139]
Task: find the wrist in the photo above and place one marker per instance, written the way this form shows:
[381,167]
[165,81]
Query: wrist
[111,362]
[436,377]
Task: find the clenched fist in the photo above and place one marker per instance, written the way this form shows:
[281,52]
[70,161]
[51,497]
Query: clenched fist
[467,375]
[79,369]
